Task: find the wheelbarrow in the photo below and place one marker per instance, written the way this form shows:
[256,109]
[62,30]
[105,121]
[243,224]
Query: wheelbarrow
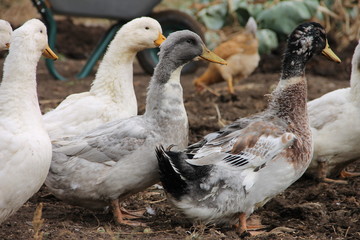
[123,11]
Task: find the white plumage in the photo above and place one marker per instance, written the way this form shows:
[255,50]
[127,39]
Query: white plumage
[5,34]
[335,122]
[112,94]
[25,148]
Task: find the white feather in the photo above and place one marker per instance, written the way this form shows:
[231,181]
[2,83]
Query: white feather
[112,94]
[25,148]
[335,122]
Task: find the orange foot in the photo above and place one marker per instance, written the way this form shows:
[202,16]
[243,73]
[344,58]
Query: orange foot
[346,174]
[132,214]
[330,180]
[230,85]
[248,230]
[322,172]
[121,215]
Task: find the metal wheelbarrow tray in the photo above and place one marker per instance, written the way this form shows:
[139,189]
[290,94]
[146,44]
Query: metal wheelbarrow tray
[115,9]
[123,11]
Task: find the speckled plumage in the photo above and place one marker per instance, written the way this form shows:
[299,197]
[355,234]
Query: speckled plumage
[250,161]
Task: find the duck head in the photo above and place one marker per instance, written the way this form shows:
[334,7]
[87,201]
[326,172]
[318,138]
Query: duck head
[5,34]
[309,39]
[142,33]
[183,46]
[33,35]
[306,40]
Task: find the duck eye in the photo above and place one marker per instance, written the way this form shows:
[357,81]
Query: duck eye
[190,41]
[41,31]
[147,28]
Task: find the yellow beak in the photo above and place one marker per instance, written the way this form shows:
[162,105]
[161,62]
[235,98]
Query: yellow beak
[211,56]
[327,52]
[159,40]
[48,53]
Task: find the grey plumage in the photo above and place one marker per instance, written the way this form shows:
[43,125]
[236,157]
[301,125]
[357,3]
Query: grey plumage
[118,159]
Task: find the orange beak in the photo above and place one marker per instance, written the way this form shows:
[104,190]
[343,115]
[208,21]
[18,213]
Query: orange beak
[161,38]
[48,53]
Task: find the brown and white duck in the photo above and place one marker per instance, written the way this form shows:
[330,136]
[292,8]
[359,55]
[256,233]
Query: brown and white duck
[230,173]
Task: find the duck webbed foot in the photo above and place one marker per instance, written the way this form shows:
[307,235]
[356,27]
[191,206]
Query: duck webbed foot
[121,214]
[322,172]
[330,180]
[244,229]
[346,174]
[132,214]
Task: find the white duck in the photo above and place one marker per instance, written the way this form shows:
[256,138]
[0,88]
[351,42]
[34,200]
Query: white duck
[25,147]
[335,123]
[112,94]
[117,159]
[5,34]
[226,176]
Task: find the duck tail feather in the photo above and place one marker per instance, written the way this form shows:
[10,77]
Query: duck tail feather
[170,176]
[251,26]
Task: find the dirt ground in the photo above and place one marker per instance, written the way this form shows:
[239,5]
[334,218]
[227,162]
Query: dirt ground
[306,210]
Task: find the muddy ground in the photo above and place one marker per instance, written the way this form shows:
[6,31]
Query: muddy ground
[306,210]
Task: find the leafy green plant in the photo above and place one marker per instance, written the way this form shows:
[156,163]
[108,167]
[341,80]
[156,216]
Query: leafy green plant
[283,17]
[268,40]
[214,16]
[275,18]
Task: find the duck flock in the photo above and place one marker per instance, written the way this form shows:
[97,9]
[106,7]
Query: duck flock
[94,150]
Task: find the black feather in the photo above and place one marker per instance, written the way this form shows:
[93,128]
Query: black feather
[171,180]
[177,176]
[236,160]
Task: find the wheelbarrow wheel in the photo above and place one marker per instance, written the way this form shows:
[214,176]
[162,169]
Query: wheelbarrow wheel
[170,21]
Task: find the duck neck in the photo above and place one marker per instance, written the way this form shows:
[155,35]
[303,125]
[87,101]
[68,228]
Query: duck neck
[294,64]
[165,95]
[289,98]
[18,87]
[114,77]
[355,82]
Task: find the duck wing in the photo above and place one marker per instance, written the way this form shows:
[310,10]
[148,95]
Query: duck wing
[245,150]
[327,108]
[106,144]
[250,147]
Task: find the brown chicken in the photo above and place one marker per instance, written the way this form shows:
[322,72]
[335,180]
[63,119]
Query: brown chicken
[241,54]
